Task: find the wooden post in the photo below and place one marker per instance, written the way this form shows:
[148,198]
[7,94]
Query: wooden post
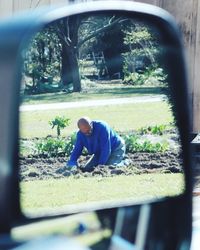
[6,8]
[196,74]
[187,14]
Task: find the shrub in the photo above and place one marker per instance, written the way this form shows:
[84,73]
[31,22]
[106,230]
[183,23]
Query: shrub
[150,76]
[60,123]
[53,147]
[134,79]
[69,145]
[135,144]
[50,146]
[155,130]
[56,146]
[42,62]
[132,144]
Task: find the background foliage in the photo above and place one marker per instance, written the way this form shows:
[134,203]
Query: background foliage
[51,63]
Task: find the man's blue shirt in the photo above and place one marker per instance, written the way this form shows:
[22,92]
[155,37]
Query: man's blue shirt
[102,141]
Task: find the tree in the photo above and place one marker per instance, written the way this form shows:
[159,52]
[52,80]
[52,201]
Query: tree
[55,51]
[74,32]
[142,46]
[42,60]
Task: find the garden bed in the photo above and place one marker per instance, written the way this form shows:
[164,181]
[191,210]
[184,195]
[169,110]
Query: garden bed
[39,168]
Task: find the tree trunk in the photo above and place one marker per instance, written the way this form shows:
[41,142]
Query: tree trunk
[70,68]
[66,72]
[69,39]
[73,61]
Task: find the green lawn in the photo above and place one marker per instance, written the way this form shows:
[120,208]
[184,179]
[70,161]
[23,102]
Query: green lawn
[67,191]
[101,91]
[123,117]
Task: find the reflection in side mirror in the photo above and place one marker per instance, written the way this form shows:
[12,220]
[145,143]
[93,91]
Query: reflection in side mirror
[109,67]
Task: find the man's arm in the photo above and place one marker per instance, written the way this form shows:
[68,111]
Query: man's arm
[76,151]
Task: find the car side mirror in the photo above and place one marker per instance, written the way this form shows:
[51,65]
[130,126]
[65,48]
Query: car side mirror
[125,44]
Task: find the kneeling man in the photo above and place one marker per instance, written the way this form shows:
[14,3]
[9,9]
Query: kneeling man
[105,145]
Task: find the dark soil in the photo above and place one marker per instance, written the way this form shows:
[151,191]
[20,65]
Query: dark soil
[37,168]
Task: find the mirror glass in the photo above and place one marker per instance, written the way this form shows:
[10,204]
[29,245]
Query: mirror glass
[109,71]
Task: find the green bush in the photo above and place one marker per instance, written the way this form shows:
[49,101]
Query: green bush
[134,79]
[132,144]
[55,146]
[50,146]
[135,144]
[42,63]
[155,130]
[151,76]
[69,145]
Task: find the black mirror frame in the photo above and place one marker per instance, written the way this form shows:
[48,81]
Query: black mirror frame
[16,33]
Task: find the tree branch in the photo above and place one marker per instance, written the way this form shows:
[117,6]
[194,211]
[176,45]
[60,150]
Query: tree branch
[106,27]
[59,29]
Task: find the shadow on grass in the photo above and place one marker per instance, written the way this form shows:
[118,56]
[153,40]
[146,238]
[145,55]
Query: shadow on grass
[93,93]
[131,90]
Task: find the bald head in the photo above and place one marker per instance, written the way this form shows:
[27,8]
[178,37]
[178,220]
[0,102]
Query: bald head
[85,125]
[83,121]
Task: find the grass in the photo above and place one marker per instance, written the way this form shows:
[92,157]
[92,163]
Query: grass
[66,227]
[100,91]
[67,191]
[56,193]
[123,117]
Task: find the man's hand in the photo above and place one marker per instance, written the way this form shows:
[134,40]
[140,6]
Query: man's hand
[71,167]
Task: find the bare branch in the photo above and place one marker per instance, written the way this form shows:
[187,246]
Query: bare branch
[111,19]
[88,22]
[61,34]
[107,26]
[67,27]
